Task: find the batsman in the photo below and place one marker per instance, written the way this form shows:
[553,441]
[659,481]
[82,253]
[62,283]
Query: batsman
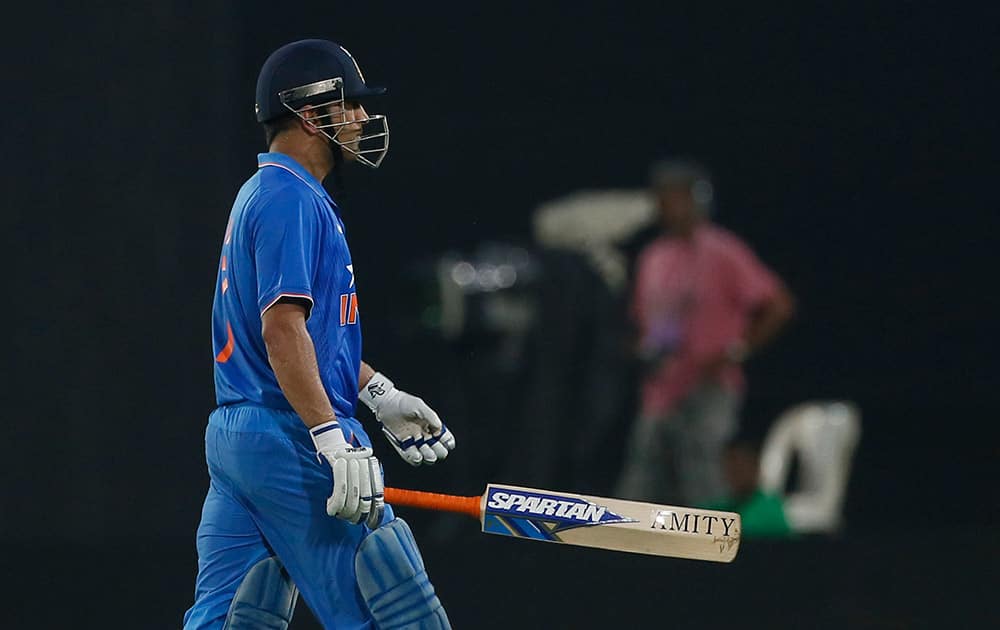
[295,501]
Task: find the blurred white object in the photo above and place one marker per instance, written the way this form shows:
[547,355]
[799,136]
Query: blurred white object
[593,222]
[497,272]
[823,436]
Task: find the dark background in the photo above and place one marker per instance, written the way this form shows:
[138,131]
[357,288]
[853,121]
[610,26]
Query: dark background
[853,148]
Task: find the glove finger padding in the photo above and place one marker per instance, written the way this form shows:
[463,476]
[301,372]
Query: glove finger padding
[407,450]
[427,453]
[447,438]
[335,504]
[442,443]
[378,494]
[350,511]
[364,490]
[439,449]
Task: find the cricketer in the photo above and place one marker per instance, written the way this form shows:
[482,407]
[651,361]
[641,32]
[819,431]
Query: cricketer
[295,501]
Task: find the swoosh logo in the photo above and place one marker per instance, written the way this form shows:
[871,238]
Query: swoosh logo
[226,352]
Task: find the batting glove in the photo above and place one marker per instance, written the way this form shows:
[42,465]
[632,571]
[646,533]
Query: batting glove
[413,429]
[357,476]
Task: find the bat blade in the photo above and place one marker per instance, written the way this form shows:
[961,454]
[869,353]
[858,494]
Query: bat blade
[588,521]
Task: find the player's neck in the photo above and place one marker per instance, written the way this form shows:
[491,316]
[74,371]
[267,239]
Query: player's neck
[315,157]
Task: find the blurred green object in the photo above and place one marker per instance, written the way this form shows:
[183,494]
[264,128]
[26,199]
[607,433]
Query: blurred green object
[763,515]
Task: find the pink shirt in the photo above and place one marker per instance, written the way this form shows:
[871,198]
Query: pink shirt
[692,299]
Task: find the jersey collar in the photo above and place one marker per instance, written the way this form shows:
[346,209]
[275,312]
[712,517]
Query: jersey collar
[282,161]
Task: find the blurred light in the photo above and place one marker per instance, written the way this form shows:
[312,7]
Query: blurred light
[506,276]
[487,278]
[463,274]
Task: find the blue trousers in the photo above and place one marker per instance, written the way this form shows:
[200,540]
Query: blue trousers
[267,496]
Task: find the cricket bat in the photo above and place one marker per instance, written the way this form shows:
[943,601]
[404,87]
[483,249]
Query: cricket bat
[576,519]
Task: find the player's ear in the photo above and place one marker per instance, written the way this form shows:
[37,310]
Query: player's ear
[307,118]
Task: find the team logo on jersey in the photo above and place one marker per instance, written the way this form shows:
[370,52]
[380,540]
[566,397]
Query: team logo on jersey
[542,516]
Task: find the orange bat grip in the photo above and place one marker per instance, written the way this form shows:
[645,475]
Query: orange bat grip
[434,501]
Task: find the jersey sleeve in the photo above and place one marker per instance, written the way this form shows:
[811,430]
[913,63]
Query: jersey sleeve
[286,250]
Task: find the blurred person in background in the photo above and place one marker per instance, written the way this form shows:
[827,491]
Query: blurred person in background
[702,304]
[762,514]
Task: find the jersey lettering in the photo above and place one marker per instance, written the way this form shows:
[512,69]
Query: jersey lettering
[348,308]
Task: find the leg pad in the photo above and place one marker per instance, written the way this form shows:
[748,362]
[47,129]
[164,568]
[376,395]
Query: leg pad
[265,599]
[393,581]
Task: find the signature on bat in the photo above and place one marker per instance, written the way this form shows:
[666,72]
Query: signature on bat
[726,543]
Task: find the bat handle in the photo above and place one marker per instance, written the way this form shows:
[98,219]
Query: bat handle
[435,501]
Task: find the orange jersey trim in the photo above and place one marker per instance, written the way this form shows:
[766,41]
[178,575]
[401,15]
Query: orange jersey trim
[227,352]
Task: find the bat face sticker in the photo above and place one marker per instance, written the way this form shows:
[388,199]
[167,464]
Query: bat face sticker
[539,515]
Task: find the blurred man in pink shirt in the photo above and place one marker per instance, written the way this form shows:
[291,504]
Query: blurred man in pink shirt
[702,303]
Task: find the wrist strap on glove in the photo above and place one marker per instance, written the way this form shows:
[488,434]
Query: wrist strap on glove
[327,437]
[375,391]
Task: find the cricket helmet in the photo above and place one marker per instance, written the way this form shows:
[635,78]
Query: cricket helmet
[314,74]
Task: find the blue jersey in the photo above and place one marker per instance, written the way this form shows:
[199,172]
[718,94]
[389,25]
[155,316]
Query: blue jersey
[285,238]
